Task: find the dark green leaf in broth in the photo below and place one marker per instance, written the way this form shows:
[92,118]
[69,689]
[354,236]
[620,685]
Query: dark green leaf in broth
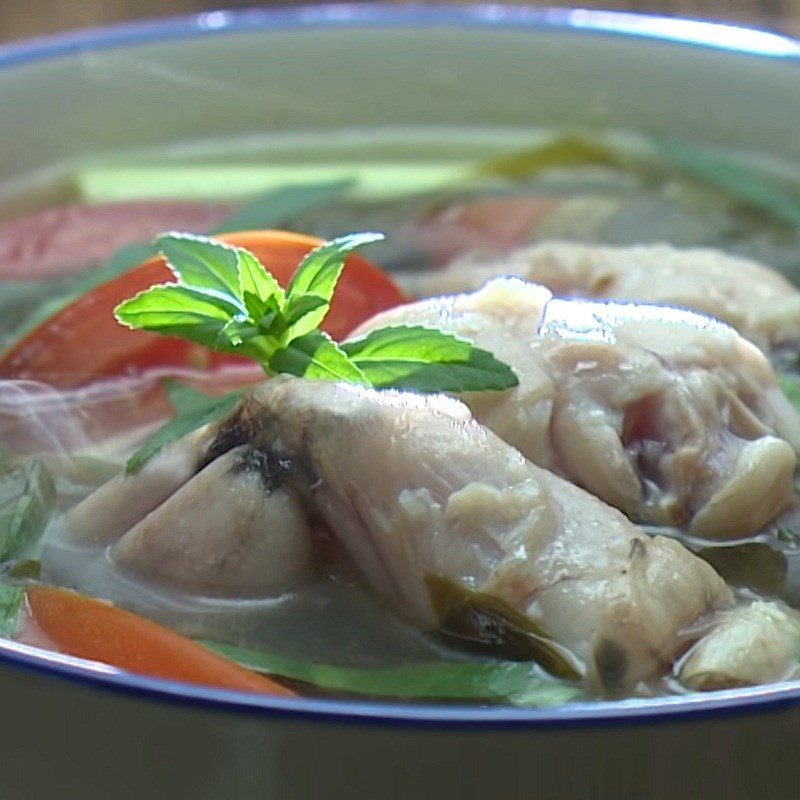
[11,597]
[24,515]
[743,183]
[485,624]
[122,259]
[565,151]
[29,569]
[193,409]
[276,208]
[423,359]
[752,565]
[316,355]
[496,681]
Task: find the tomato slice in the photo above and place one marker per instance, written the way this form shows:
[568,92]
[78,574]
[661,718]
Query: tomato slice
[83,341]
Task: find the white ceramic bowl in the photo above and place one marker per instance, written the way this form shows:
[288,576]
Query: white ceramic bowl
[74,729]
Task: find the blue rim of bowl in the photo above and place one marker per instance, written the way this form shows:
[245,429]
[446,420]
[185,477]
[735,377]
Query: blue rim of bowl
[696,33]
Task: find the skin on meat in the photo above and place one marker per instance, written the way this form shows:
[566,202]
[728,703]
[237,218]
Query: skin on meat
[668,415]
[230,531]
[412,486]
[755,299]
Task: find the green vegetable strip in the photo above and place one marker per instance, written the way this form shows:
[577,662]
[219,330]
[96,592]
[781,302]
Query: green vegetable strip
[493,681]
[192,410]
[743,183]
[11,597]
[24,517]
[368,180]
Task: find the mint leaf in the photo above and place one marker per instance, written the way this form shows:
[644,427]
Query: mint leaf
[299,308]
[180,311]
[259,288]
[426,359]
[204,265]
[125,257]
[192,408]
[226,300]
[316,355]
[317,275]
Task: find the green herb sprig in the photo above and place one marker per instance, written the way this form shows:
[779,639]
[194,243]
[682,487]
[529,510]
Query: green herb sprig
[225,299]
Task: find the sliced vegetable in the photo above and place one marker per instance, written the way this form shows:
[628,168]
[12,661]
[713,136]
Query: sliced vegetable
[11,598]
[272,209]
[494,223]
[217,303]
[741,182]
[277,207]
[790,386]
[269,210]
[61,240]
[25,513]
[373,180]
[492,681]
[86,628]
[754,565]
[192,410]
[564,151]
[83,342]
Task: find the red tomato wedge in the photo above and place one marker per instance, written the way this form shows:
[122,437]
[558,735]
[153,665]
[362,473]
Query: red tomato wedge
[83,341]
[86,628]
[61,240]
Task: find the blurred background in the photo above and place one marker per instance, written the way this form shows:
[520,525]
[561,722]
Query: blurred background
[20,18]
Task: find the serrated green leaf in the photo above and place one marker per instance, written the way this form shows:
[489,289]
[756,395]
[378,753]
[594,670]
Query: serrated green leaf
[316,355]
[426,359]
[298,309]
[317,274]
[492,681]
[204,265]
[178,311]
[259,287]
[193,409]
